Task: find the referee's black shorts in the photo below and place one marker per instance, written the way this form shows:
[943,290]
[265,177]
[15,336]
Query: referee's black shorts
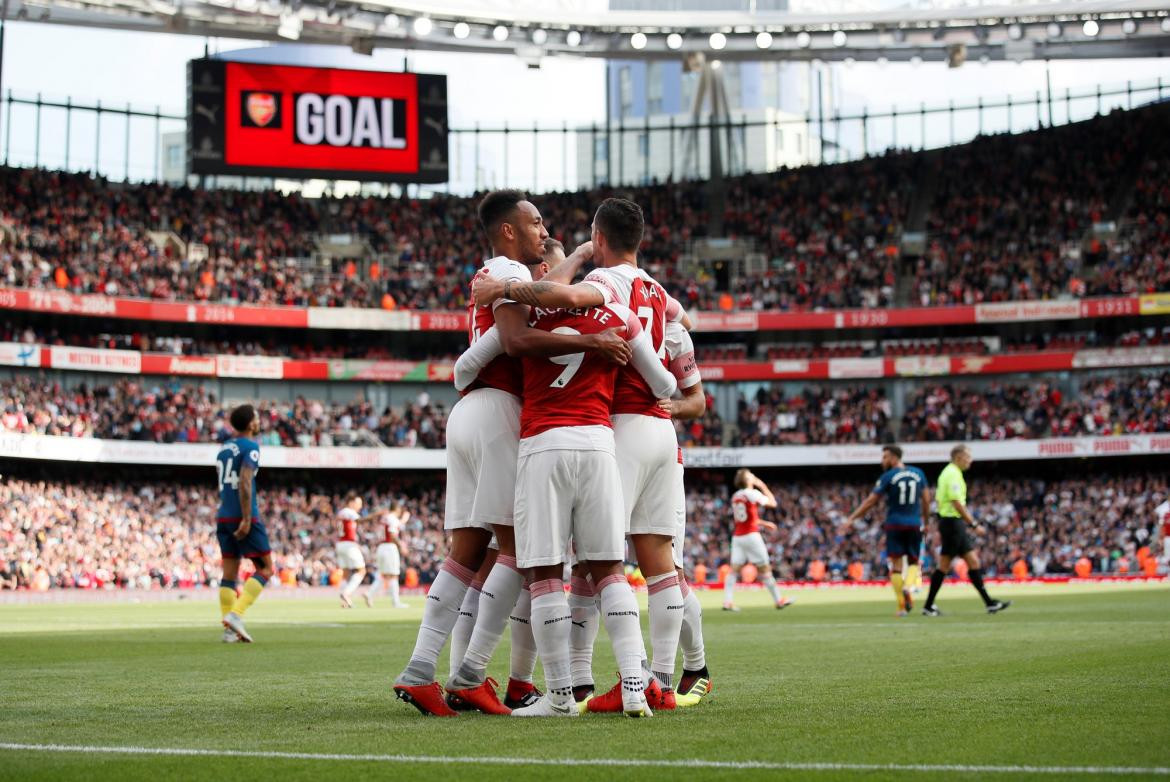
[955,540]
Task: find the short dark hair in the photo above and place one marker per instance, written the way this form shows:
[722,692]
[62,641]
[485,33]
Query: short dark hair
[896,450]
[741,481]
[620,219]
[496,206]
[242,417]
[551,244]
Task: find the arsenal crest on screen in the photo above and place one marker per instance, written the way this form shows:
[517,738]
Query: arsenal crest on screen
[260,109]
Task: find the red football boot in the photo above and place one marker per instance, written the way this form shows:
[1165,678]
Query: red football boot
[427,698]
[521,694]
[607,703]
[660,698]
[611,702]
[483,698]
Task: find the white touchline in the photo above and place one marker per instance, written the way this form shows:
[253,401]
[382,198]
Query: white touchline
[626,762]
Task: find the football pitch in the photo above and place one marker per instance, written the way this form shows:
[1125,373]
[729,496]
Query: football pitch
[1073,682]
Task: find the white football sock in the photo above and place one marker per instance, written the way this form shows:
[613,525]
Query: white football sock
[497,598]
[729,588]
[551,621]
[440,610]
[586,622]
[393,581]
[771,585]
[691,637]
[461,634]
[352,583]
[523,644]
[619,610]
[666,617]
[375,589]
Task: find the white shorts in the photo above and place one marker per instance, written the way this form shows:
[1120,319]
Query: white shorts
[647,455]
[483,433]
[389,559]
[349,556]
[749,548]
[567,495]
[680,507]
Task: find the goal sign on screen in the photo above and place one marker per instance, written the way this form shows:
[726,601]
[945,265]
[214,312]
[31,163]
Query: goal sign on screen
[285,120]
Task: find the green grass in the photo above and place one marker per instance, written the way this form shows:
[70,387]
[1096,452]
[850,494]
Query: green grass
[1070,676]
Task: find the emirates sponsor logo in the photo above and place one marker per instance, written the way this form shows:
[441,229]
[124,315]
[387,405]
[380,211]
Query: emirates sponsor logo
[192,366]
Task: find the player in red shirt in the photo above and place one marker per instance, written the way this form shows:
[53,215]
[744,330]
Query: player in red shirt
[347,551]
[695,682]
[389,556]
[482,437]
[747,544]
[568,487]
[645,437]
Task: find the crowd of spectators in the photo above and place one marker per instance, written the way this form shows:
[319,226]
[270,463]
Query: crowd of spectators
[144,535]
[1138,260]
[1131,404]
[819,414]
[172,412]
[1049,524]
[823,414]
[1012,213]
[1007,220]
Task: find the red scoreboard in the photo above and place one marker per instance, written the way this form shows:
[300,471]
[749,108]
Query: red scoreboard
[284,120]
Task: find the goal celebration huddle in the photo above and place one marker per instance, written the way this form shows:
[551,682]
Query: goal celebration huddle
[562,464]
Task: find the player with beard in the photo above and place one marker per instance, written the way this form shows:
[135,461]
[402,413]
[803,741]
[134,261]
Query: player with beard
[646,442]
[483,433]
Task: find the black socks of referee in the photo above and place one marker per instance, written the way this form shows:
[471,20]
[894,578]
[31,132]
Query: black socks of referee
[936,581]
[976,576]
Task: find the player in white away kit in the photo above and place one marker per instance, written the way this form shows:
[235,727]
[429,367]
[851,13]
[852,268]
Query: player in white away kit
[483,433]
[747,544]
[389,555]
[646,443]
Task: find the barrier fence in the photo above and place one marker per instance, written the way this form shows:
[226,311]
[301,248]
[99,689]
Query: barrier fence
[123,141]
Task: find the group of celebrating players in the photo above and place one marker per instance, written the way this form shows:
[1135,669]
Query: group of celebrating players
[560,451]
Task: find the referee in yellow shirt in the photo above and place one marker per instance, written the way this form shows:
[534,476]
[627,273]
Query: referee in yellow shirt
[953,518]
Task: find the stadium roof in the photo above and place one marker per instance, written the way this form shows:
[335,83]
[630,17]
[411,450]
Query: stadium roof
[847,30]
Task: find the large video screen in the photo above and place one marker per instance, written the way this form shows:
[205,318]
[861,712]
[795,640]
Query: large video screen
[285,120]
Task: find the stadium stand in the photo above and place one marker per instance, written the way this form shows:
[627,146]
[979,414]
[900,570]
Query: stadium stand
[166,412]
[830,234]
[159,534]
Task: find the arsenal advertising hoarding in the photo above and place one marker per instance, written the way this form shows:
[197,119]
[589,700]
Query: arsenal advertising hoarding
[284,120]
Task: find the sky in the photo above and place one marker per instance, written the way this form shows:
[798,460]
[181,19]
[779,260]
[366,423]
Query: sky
[149,72]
